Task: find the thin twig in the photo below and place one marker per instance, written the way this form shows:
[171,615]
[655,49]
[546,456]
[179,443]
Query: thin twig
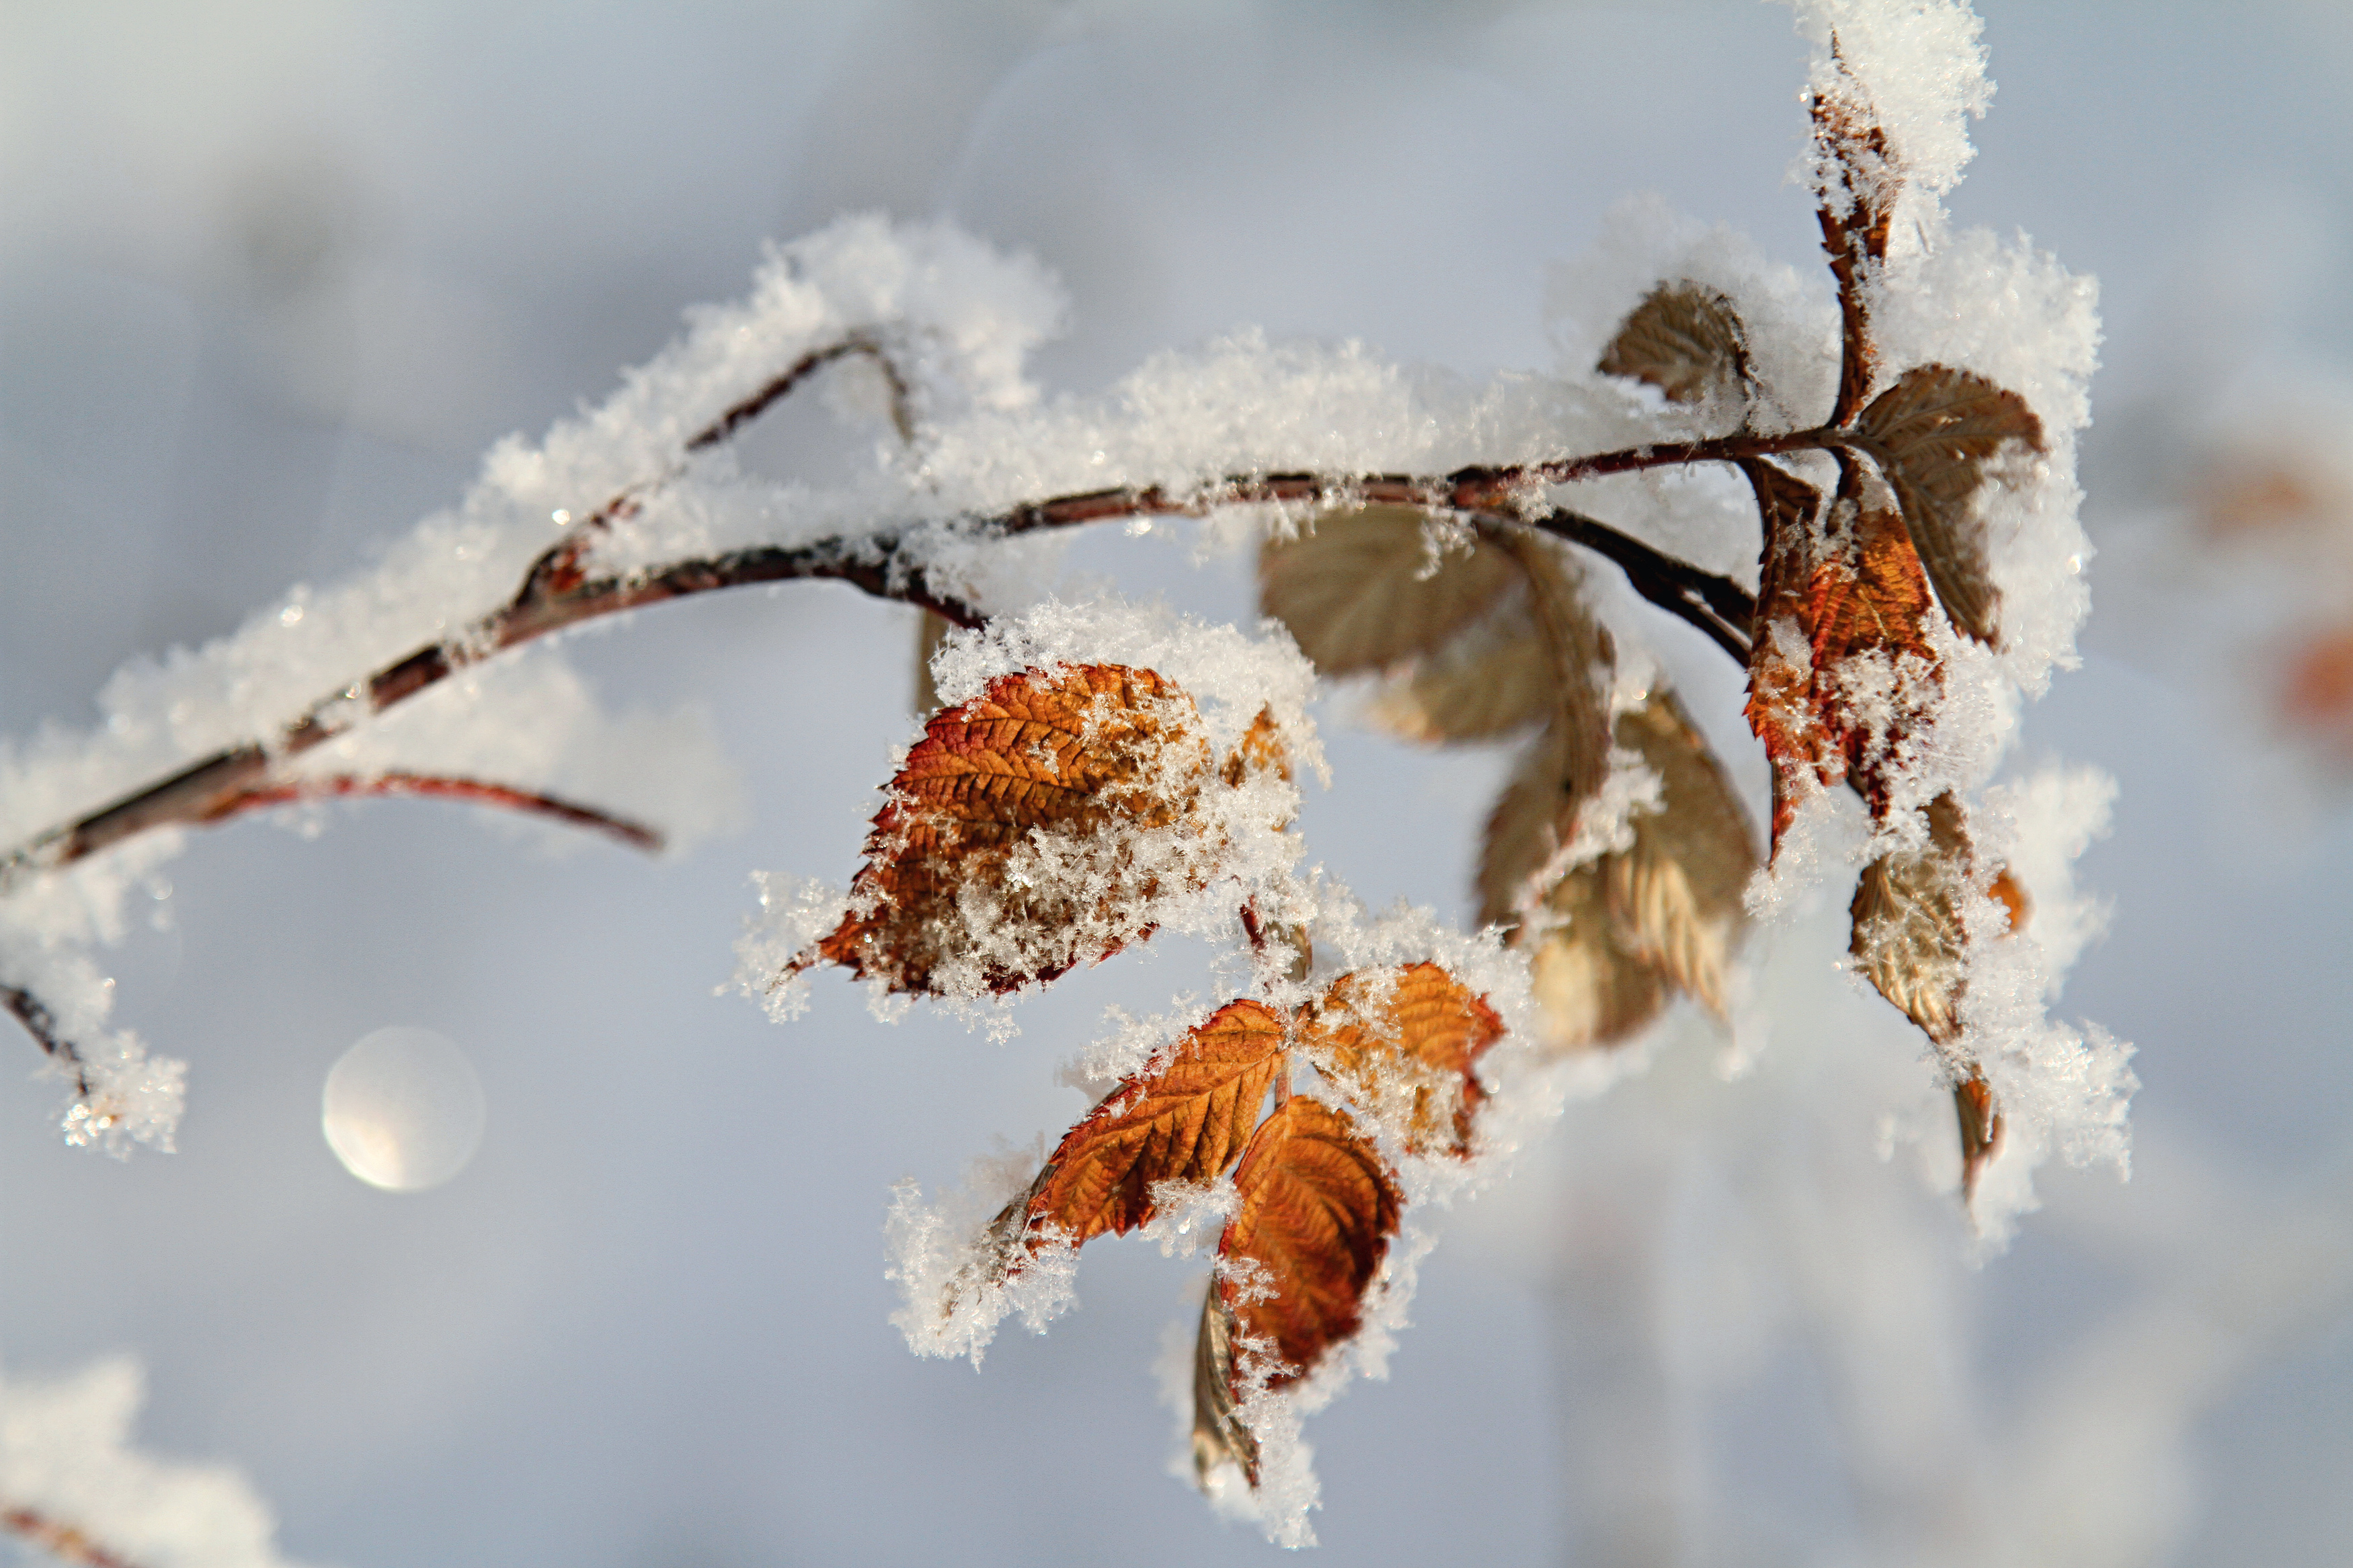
[1717,605]
[637,835]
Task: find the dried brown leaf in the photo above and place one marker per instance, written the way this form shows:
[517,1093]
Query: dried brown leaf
[1219,1436]
[1358,595]
[1685,339]
[1260,751]
[1532,820]
[1982,1129]
[1411,1038]
[1318,1207]
[1184,1122]
[1073,753]
[1909,933]
[1858,181]
[1932,434]
[1675,895]
[1614,936]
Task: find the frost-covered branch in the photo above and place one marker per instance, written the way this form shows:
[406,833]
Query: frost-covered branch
[554,599]
[62,1541]
[41,1023]
[73,1484]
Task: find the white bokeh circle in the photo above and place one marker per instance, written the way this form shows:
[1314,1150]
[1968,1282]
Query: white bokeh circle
[403,1109]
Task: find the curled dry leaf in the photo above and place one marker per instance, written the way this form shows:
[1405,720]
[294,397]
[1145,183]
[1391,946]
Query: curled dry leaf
[1219,1436]
[1909,933]
[932,631]
[1318,1207]
[1841,669]
[1932,434]
[1412,1037]
[1260,751]
[1359,593]
[1685,340]
[1982,1129]
[1186,1121]
[1070,763]
[1535,819]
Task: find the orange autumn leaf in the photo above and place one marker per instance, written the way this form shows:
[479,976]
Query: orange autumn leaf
[1072,760]
[1318,1206]
[1417,1043]
[1841,666]
[1184,1122]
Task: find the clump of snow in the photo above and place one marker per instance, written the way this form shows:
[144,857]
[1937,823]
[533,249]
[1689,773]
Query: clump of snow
[1916,66]
[795,911]
[66,1461]
[961,1272]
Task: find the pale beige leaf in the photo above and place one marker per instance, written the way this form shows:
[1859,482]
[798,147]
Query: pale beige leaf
[1591,990]
[1534,818]
[1674,897]
[1582,655]
[1481,686]
[1564,770]
[1932,434]
[1357,592]
[1685,340]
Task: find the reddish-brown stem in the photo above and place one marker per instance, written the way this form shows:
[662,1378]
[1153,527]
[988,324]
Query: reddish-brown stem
[546,603]
[42,1025]
[637,835]
[62,1541]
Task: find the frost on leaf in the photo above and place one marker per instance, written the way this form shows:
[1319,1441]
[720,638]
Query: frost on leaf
[1686,341]
[1412,1038]
[1909,936]
[1661,911]
[1318,1208]
[1858,183]
[1932,434]
[1363,590]
[1841,670]
[1184,1123]
[1028,832]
